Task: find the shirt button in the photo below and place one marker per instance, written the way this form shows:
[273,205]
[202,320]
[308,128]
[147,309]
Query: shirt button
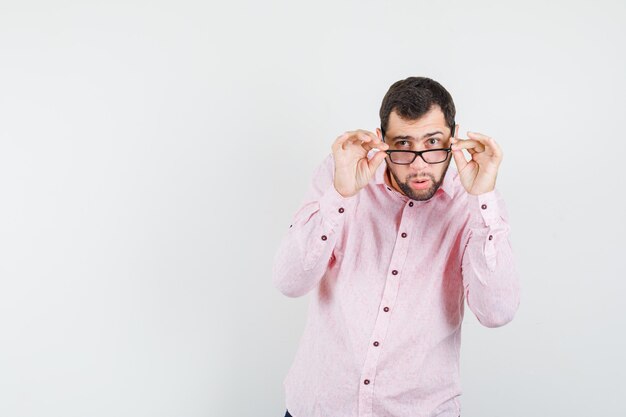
[411,204]
[386,309]
[341,210]
[366,382]
[375,343]
[403,234]
[484,206]
[394,272]
[324,237]
[490,237]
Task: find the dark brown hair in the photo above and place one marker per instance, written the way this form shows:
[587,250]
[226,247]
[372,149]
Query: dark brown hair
[413,97]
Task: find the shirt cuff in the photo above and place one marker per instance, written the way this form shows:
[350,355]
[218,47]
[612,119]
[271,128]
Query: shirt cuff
[334,207]
[484,209]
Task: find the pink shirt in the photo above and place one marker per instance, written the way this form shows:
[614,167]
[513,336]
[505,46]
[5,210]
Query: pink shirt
[388,277]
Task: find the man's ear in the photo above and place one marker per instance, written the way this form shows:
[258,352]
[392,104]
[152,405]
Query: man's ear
[379,133]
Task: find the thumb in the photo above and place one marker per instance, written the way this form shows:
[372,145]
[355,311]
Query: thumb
[376,160]
[459,159]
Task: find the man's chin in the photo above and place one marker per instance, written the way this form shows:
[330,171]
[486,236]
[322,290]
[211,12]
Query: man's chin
[423,195]
[419,194]
[416,188]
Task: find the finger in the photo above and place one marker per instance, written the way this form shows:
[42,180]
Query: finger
[341,139]
[361,140]
[382,147]
[364,137]
[374,140]
[378,141]
[376,160]
[485,140]
[368,133]
[490,144]
[476,135]
[469,144]
[376,144]
[370,141]
[459,160]
[356,138]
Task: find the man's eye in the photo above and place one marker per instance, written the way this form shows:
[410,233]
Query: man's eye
[401,143]
[433,141]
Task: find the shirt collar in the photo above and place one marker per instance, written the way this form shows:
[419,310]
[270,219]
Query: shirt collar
[447,185]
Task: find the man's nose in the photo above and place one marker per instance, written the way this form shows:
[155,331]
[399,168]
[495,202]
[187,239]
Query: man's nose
[419,163]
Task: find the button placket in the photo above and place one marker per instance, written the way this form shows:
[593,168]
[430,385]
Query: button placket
[381,325]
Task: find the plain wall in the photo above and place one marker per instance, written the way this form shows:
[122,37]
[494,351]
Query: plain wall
[153,153]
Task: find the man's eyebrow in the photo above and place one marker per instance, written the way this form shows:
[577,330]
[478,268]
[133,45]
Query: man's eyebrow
[427,135]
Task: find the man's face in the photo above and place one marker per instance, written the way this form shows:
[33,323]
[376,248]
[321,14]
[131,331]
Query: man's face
[419,180]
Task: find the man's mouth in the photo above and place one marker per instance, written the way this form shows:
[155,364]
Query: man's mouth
[420,183]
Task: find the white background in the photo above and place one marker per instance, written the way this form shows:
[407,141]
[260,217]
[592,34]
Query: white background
[152,154]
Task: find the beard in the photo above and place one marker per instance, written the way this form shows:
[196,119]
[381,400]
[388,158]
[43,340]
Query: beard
[420,195]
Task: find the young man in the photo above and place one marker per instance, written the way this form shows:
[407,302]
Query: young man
[391,242]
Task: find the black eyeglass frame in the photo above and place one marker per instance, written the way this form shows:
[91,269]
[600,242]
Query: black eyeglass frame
[417,153]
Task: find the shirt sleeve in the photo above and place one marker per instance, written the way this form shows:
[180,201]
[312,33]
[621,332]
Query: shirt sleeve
[306,250]
[490,278]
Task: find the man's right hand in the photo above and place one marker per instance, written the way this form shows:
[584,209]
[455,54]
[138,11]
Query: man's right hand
[353,170]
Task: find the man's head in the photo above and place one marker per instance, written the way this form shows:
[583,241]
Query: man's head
[417,114]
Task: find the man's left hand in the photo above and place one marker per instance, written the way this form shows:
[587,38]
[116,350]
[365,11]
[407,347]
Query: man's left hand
[478,175]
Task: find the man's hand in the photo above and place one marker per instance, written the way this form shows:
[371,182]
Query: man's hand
[478,175]
[353,170]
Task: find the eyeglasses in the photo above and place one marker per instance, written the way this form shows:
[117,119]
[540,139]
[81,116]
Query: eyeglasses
[430,156]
